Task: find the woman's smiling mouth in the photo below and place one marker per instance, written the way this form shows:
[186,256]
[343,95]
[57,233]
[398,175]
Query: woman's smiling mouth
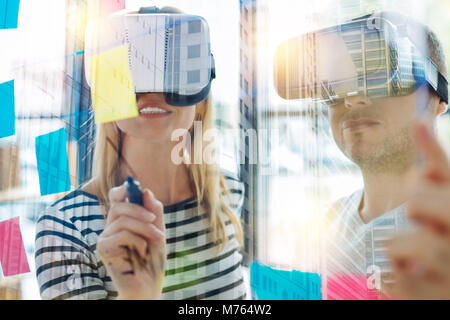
[150,111]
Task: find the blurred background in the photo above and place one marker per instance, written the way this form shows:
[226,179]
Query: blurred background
[282,150]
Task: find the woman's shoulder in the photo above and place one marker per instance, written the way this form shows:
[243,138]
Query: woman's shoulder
[232,180]
[73,206]
[76,198]
[82,192]
[236,190]
[71,217]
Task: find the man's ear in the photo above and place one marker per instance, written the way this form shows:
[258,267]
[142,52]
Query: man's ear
[437,105]
[441,108]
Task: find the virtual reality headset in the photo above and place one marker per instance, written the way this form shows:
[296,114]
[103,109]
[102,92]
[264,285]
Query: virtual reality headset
[371,56]
[167,53]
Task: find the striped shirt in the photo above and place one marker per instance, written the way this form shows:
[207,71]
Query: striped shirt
[68,265]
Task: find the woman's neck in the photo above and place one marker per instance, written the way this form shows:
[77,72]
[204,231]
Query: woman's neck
[152,166]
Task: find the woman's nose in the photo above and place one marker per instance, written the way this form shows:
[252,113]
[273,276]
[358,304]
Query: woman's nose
[357,101]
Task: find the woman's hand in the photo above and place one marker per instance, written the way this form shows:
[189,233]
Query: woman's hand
[132,245]
[421,260]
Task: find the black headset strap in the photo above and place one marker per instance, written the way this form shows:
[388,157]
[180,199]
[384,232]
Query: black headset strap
[153,9]
[442,88]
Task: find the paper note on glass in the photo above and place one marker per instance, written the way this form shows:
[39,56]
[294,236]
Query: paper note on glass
[351,287]
[7,115]
[53,162]
[111,6]
[13,257]
[99,8]
[272,284]
[9,14]
[112,89]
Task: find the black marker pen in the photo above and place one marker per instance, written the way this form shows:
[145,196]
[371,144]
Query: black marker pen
[134,191]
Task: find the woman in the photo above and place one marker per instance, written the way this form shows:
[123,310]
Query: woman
[183,243]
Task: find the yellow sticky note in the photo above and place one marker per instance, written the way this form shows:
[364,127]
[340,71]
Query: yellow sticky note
[112,88]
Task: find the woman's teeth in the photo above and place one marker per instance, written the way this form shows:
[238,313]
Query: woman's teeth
[151,110]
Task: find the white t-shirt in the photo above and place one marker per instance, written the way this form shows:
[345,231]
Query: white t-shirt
[357,250]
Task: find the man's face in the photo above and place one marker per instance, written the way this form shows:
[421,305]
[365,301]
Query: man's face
[376,133]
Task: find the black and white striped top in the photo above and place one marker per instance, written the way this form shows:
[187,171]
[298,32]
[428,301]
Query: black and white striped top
[69,267]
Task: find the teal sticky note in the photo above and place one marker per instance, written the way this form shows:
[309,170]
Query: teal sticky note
[53,162]
[268,283]
[7,107]
[9,14]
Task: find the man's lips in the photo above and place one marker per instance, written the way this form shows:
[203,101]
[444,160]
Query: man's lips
[361,123]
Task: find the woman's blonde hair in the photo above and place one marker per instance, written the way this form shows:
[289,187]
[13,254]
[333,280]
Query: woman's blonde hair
[206,179]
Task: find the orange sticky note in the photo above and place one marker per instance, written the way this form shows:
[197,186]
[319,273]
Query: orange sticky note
[13,256]
[112,88]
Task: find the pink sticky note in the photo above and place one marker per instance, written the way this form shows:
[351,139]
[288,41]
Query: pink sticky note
[114,5]
[13,257]
[350,287]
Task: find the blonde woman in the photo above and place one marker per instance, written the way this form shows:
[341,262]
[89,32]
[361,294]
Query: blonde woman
[183,243]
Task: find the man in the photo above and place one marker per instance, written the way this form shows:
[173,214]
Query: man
[377,134]
[373,126]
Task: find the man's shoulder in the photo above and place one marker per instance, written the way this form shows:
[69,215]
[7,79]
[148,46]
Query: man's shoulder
[344,206]
[353,198]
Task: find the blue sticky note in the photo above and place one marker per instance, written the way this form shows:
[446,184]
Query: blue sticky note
[9,14]
[7,107]
[272,284]
[53,162]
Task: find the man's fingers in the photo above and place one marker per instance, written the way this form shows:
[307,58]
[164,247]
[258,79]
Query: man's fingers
[431,206]
[413,288]
[409,286]
[438,167]
[422,254]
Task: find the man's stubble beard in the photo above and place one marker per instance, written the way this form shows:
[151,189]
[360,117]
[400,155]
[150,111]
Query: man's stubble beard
[395,155]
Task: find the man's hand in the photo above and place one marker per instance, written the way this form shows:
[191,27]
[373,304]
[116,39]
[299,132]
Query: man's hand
[421,260]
